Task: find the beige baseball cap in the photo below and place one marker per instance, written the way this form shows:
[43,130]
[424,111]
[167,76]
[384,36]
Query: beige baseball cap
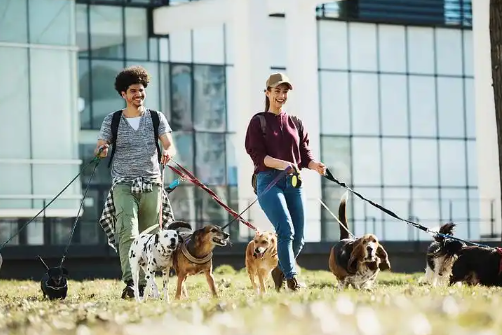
[278,78]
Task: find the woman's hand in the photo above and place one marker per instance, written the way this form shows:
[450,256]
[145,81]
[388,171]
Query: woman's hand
[318,166]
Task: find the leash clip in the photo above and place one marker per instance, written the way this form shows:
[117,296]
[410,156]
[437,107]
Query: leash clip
[296,178]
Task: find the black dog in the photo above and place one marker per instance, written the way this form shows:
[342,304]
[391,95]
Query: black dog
[477,265]
[54,282]
[441,256]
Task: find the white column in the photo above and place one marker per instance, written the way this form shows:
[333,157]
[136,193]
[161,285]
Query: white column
[486,128]
[302,69]
[251,69]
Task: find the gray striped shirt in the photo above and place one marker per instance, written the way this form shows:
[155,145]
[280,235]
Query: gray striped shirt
[135,152]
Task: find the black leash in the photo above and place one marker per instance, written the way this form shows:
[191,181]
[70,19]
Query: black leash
[45,207]
[78,213]
[330,177]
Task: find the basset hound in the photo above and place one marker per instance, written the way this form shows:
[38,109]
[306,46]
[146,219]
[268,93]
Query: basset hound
[356,261]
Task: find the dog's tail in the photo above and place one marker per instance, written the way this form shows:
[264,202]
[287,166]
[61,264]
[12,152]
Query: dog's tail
[342,216]
[446,229]
[43,263]
[179,225]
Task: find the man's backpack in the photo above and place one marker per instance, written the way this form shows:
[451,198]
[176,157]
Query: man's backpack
[263,124]
[115,128]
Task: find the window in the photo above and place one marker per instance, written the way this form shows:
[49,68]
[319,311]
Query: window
[44,82]
[210,158]
[392,48]
[424,162]
[102,174]
[366,161]
[475,219]
[107,39]
[105,99]
[165,90]
[367,218]
[451,107]
[35,232]
[336,154]
[82,29]
[364,94]
[335,107]
[232,108]
[449,51]
[183,202]
[396,161]
[9,227]
[331,196]
[425,209]
[398,200]
[13,21]
[452,163]
[208,210]
[93,205]
[468,53]
[84,96]
[470,111]
[136,36]
[422,94]
[61,229]
[51,22]
[454,203]
[209,98]
[363,46]
[231,157]
[420,50]
[394,104]
[472,161]
[181,98]
[333,51]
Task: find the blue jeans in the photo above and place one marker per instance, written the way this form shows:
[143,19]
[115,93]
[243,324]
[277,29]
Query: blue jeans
[284,206]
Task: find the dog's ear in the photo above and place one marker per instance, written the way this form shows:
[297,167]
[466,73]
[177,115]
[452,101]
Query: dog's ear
[355,256]
[180,239]
[157,238]
[384,257]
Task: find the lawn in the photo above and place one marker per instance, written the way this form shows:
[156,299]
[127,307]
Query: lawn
[398,305]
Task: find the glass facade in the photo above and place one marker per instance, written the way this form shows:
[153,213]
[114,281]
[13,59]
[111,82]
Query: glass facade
[398,124]
[190,92]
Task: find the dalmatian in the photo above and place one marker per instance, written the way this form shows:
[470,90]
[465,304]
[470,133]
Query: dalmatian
[153,252]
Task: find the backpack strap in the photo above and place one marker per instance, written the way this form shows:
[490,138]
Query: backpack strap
[115,128]
[156,123]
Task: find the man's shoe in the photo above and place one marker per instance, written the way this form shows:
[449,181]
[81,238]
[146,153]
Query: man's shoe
[293,284]
[278,278]
[128,291]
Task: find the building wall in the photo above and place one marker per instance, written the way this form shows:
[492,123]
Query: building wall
[39,127]
[396,114]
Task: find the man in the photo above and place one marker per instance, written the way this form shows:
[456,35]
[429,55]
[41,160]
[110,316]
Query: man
[135,198]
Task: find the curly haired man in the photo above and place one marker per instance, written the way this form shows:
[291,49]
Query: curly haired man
[137,194]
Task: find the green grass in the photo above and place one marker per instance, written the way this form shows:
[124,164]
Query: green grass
[398,305]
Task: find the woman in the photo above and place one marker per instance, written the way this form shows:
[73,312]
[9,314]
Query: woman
[285,143]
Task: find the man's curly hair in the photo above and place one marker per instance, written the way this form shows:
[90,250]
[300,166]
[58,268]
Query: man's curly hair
[131,76]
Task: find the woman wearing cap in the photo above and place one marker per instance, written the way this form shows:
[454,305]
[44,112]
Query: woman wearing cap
[285,143]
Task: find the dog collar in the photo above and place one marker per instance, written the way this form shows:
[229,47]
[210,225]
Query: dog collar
[193,259]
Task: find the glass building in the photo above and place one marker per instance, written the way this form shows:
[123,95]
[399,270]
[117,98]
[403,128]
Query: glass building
[395,108]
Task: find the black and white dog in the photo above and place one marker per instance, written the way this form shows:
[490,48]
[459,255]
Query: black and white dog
[440,257]
[54,283]
[153,252]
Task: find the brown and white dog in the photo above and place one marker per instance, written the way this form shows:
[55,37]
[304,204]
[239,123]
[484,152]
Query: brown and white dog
[195,254]
[261,258]
[356,262]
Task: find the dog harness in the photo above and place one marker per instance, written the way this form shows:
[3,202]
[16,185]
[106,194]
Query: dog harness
[193,259]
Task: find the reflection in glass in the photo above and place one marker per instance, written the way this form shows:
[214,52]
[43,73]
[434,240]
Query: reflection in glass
[13,21]
[90,216]
[9,227]
[181,98]
[136,33]
[84,88]
[335,153]
[105,99]
[208,210]
[50,22]
[366,161]
[398,200]
[450,107]
[452,163]
[424,162]
[185,150]
[422,95]
[231,159]
[394,104]
[209,98]
[396,161]
[364,100]
[183,202]
[82,29]
[107,39]
[335,107]
[210,158]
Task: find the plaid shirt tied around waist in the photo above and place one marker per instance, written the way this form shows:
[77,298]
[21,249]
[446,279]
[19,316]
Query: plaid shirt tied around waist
[107,220]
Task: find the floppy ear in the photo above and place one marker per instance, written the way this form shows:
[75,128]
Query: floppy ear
[65,271]
[355,256]
[157,238]
[384,257]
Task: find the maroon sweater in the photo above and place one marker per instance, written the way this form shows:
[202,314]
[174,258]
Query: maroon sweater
[281,141]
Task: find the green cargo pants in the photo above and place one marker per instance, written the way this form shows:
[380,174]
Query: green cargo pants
[134,214]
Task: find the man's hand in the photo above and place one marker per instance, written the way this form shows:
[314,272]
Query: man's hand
[317,166]
[102,145]
[165,158]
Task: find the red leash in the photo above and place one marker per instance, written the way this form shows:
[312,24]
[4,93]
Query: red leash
[184,173]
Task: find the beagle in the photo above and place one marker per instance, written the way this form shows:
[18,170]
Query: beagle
[356,261]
